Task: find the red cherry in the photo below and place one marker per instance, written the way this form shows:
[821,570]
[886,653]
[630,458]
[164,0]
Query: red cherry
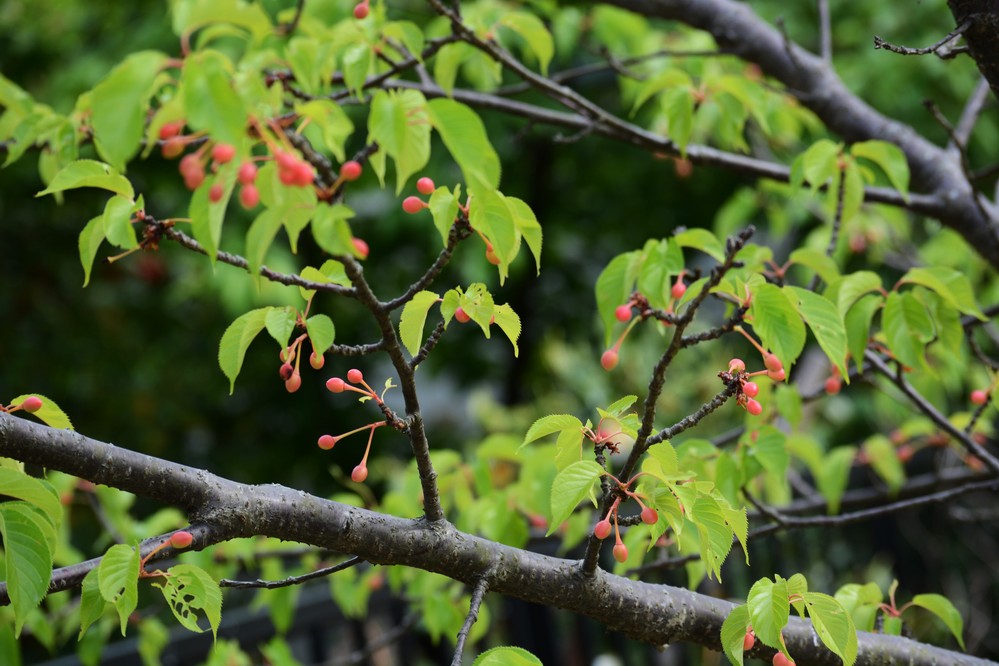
[351,170]
[461,316]
[317,361]
[905,453]
[361,247]
[294,383]
[303,174]
[173,147]
[285,160]
[833,385]
[223,153]
[748,641]
[249,196]
[608,360]
[772,362]
[326,442]
[361,10]
[170,130]
[247,173]
[678,290]
[621,552]
[359,474]
[216,193]
[181,539]
[781,660]
[650,516]
[753,407]
[354,376]
[736,365]
[286,371]
[979,397]
[777,375]
[193,182]
[413,205]
[751,389]
[602,529]
[425,186]
[286,176]
[31,404]
[622,312]
[335,385]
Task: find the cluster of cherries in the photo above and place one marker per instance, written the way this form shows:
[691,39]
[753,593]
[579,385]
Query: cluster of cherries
[355,382]
[624,313]
[414,204]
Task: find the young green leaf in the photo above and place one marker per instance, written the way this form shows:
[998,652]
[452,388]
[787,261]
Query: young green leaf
[413,319]
[189,589]
[889,159]
[489,214]
[703,240]
[835,474]
[769,609]
[822,264]
[833,625]
[444,208]
[776,321]
[509,323]
[534,34]
[262,232]
[92,604]
[118,580]
[949,284]
[321,332]
[90,241]
[210,100]
[845,291]
[117,220]
[826,323]
[613,287]
[716,535]
[943,609]
[334,124]
[280,322]
[89,173]
[733,632]
[858,325]
[908,328]
[553,423]
[465,137]
[506,656]
[236,339]
[26,536]
[569,488]
[527,226]
[331,231]
[36,492]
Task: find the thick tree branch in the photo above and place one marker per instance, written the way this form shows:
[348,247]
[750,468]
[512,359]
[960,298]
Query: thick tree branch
[655,614]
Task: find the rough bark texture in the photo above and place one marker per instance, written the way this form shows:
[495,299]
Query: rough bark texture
[736,28]
[981,36]
[222,509]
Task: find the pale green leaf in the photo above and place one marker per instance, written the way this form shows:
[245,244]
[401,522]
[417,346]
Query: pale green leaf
[235,341]
[89,173]
[118,580]
[776,321]
[321,332]
[118,106]
[733,632]
[413,319]
[943,609]
[569,488]
[465,137]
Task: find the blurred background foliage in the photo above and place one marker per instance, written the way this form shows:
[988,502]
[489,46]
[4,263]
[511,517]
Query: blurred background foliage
[132,358]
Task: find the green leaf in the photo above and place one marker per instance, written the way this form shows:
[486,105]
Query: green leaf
[321,332]
[50,413]
[776,321]
[27,557]
[884,460]
[489,214]
[89,243]
[908,328]
[506,656]
[509,323]
[118,106]
[444,208]
[819,162]
[738,522]
[89,173]
[333,123]
[527,226]
[769,609]
[943,609]
[858,325]
[118,580]
[569,488]
[465,137]
[553,423]
[949,284]
[833,625]
[822,264]
[260,237]
[770,450]
[847,290]
[117,221]
[534,33]
[331,231]
[889,159]
[413,319]
[356,65]
[236,339]
[733,632]
[207,216]
[210,100]
[703,240]
[447,62]
[92,604]
[189,16]
[280,322]
[715,533]
[826,323]
[34,491]
[678,108]
[835,474]
[189,589]
[614,286]
[398,123]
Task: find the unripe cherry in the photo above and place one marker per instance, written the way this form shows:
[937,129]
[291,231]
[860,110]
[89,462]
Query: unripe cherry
[31,404]
[326,442]
[286,176]
[335,385]
[351,170]
[621,552]
[602,529]
[247,173]
[462,316]
[623,312]
[361,246]
[354,376]
[425,186]
[781,660]
[249,196]
[181,539]
[413,205]
[285,160]
[216,192]
[772,362]
[650,516]
[753,407]
[303,173]
[751,389]
[190,165]
[748,641]
[170,130]
[359,474]
[608,360]
[736,365]
[286,371]
[979,397]
[172,147]
[361,10]
[905,453]
[833,385]
[317,361]
[193,181]
[223,153]
[678,290]
[777,375]
[294,383]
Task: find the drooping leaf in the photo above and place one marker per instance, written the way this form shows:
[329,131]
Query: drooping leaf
[210,99]
[92,604]
[331,231]
[321,332]
[534,34]
[118,580]
[89,242]
[237,339]
[413,319]
[34,491]
[465,137]
[943,609]
[769,609]
[50,413]
[117,221]
[908,328]
[27,557]
[490,215]
[776,321]
[509,323]
[889,159]
[733,632]
[613,287]
[949,284]
[826,323]
[703,240]
[569,488]
[89,173]
[280,322]
[833,624]
[552,423]
[506,656]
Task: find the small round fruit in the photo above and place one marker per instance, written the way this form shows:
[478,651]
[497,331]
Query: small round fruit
[748,641]
[425,186]
[354,376]
[286,371]
[905,453]
[736,365]
[216,192]
[351,170]
[623,312]
[678,290]
[979,397]
[772,362]
[286,161]
[247,173]
[326,442]
[335,385]
[249,196]
[294,383]
[650,516]
[359,474]
[31,404]
[190,165]
[170,130]
[602,529]
[361,10]
[462,316]
[317,361]
[781,660]
[833,385]
[286,176]
[361,246]
[621,553]
[608,360]
[182,539]
[777,375]
[172,147]
[413,205]
[223,153]
[753,407]
[304,174]
[752,389]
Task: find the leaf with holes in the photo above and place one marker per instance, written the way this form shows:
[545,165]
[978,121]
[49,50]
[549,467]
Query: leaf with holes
[189,589]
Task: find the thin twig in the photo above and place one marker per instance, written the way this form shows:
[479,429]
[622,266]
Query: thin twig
[291,580]
[970,114]
[429,345]
[289,27]
[933,48]
[478,592]
[836,224]
[460,230]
